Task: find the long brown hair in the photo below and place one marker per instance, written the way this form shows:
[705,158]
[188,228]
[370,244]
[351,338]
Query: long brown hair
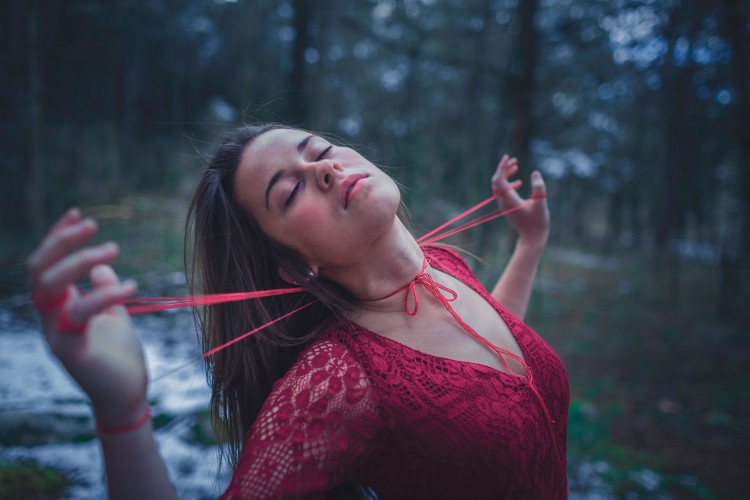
[230,253]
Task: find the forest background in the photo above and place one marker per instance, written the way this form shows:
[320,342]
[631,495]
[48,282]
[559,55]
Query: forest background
[636,111]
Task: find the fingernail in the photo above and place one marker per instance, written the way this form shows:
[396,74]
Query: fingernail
[110,246]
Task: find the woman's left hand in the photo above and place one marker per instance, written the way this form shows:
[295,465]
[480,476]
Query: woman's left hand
[532,220]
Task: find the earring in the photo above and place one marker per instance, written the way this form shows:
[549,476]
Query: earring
[311,276]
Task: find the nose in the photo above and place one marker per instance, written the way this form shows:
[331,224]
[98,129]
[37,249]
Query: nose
[325,173]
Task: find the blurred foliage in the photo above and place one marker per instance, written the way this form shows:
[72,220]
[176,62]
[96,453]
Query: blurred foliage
[27,481]
[654,383]
[636,111]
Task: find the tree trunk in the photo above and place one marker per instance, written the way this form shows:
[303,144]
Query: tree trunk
[298,102]
[522,74]
[475,173]
[729,281]
[678,144]
[36,186]
[522,80]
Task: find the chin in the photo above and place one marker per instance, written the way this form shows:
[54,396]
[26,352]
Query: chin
[385,206]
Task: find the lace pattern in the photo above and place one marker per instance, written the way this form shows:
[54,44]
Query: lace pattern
[358,405]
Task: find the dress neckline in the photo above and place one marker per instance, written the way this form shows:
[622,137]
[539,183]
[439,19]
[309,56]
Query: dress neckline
[499,309]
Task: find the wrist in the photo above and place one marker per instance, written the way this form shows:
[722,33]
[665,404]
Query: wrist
[535,245]
[115,430]
[113,420]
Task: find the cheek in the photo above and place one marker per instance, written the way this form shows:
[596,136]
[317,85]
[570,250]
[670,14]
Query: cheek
[350,157]
[310,224]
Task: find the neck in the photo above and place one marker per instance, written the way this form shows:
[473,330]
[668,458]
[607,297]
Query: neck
[389,263]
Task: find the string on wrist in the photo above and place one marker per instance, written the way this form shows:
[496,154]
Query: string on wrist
[115,430]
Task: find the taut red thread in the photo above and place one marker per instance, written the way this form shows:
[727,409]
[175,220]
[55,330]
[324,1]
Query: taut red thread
[435,235]
[233,341]
[55,302]
[153,304]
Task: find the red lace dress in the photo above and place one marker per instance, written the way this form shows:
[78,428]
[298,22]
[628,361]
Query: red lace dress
[357,405]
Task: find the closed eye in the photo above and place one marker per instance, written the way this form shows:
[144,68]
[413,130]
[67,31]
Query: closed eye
[293,194]
[324,153]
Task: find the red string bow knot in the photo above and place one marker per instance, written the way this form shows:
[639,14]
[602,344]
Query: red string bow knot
[441,292]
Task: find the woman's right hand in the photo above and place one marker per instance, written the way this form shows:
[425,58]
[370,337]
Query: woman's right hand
[106,359]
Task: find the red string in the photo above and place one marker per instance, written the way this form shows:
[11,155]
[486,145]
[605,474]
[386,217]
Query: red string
[233,341]
[114,430]
[153,304]
[432,236]
[457,218]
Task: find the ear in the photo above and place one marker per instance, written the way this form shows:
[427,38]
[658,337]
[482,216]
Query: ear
[285,276]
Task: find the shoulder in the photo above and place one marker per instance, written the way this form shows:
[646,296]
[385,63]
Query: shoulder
[326,370]
[331,351]
[314,429]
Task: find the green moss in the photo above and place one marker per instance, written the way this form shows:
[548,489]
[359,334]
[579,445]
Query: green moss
[30,481]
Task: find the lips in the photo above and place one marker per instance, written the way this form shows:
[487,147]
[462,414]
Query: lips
[346,187]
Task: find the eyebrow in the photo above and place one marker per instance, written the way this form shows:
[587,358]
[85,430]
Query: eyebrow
[303,143]
[300,148]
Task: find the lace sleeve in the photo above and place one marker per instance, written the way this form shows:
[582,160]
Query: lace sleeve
[313,431]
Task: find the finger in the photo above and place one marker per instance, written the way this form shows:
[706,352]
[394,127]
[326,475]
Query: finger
[508,193]
[59,243]
[512,170]
[74,266]
[103,275]
[72,216]
[502,165]
[538,188]
[99,300]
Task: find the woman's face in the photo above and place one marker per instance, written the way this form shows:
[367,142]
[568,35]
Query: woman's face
[327,202]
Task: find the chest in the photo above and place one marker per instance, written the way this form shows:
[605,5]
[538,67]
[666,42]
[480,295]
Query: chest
[436,331]
[470,427]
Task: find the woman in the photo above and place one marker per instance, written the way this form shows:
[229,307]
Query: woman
[400,372]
